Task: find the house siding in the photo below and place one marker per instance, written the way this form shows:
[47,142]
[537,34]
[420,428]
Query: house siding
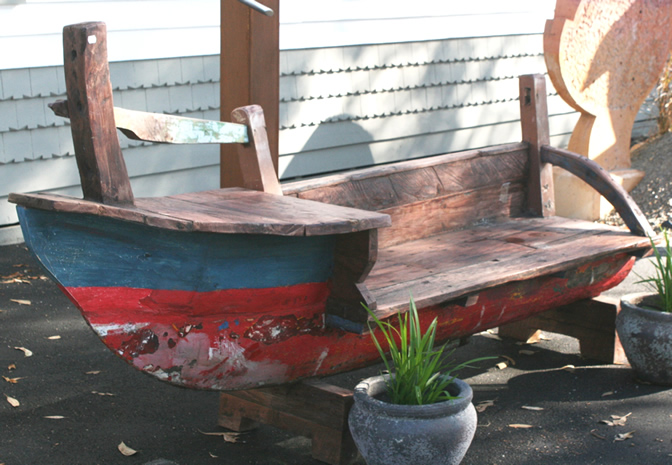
[342,105]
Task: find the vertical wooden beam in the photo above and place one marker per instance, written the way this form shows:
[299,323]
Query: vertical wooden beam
[87,77]
[250,74]
[534,124]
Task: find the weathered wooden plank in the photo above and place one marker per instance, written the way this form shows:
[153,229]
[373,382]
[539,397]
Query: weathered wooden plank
[170,129]
[254,159]
[598,178]
[302,187]
[87,75]
[456,211]
[534,124]
[249,75]
[355,256]
[313,408]
[483,171]
[441,269]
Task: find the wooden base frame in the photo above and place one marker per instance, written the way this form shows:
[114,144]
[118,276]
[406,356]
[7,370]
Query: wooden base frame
[310,408]
[591,321]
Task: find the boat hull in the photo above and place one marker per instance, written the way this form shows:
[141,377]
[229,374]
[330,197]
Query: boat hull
[227,311]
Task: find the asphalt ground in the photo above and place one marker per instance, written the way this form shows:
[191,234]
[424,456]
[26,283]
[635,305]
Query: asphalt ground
[78,401]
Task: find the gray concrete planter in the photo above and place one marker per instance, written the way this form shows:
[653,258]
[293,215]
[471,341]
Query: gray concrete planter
[646,336]
[390,434]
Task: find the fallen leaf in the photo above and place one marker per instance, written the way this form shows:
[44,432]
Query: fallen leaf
[520,426]
[53,338]
[228,437]
[125,450]
[11,367]
[529,407]
[598,436]
[482,406]
[26,352]
[617,420]
[54,417]
[21,301]
[570,368]
[12,380]
[12,401]
[624,436]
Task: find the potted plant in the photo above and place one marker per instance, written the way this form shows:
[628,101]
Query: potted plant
[418,412]
[644,324]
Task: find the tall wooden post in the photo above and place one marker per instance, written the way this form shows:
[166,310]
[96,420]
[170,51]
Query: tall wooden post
[250,74]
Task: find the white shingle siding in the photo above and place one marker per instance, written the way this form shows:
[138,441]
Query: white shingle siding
[375,84]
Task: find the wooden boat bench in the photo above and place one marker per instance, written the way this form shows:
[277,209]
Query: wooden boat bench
[470,233]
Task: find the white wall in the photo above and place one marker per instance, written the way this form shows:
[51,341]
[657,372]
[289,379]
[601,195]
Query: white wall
[30,30]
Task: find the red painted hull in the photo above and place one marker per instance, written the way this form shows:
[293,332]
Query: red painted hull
[186,339]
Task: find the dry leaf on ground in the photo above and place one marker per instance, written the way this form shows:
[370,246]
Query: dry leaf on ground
[624,436]
[12,380]
[12,401]
[529,407]
[125,450]
[617,420]
[598,436]
[26,352]
[482,406]
[21,301]
[228,437]
[11,367]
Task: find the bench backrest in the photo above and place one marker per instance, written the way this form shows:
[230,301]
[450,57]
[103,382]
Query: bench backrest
[431,195]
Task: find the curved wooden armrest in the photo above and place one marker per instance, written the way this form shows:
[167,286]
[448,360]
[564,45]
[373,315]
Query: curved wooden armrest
[598,178]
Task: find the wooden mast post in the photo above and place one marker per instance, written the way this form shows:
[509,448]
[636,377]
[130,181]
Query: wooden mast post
[250,74]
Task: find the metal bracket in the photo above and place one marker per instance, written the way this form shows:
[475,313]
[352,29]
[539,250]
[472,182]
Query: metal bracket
[258,7]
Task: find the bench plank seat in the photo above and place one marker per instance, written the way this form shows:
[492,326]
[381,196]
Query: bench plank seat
[448,266]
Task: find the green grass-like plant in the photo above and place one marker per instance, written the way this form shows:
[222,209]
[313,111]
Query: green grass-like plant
[661,282]
[420,373]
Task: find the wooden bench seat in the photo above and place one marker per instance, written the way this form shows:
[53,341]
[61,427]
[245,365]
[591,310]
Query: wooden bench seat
[445,267]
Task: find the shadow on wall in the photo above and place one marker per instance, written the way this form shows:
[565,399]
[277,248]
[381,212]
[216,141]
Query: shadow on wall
[337,144]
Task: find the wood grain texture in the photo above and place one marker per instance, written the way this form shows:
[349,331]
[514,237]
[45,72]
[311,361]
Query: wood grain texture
[534,124]
[441,268]
[226,211]
[250,74]
[101,166]
[598,178]
[254,158]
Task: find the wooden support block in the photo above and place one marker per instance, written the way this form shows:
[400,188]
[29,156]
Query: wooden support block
[591,321]
[311,408]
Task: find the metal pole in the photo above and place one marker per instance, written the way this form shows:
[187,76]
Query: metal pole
[257,6]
